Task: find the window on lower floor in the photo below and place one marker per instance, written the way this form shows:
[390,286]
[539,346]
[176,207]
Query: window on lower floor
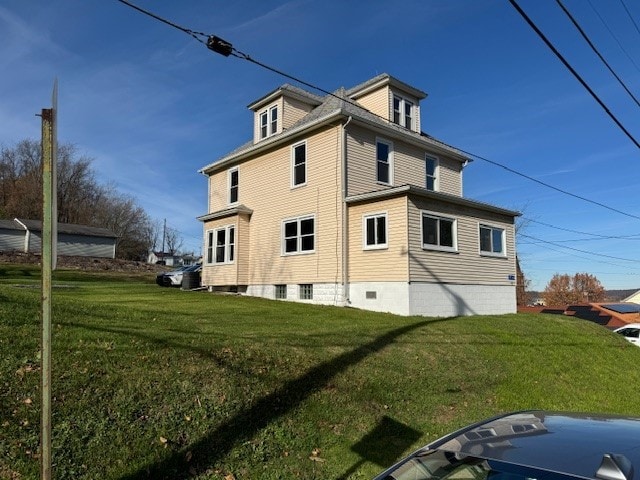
[298,235]
[375,231]
[306,291]
[281,292]
[439,233]
[492,240]
[221,244]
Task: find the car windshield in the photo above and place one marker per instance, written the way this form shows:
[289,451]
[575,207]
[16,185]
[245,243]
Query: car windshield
[441,465]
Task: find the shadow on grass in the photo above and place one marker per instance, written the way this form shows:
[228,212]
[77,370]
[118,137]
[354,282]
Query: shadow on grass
[246,424]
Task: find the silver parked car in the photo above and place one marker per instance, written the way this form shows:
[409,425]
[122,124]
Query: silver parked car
[631,332]
[174,278]
[530,445]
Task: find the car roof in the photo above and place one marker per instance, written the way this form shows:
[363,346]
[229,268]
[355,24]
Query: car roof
[570,443]
[628,325]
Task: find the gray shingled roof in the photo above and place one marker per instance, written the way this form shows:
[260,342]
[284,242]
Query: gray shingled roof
[70,229]
[339,103]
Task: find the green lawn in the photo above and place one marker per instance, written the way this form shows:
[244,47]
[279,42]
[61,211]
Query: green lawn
[157,383]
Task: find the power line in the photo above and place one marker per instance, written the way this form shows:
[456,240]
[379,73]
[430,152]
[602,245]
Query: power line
[586,38]
[613,35]
[571,69]
[602,237]
[630,17]
[225,48]
[579,250]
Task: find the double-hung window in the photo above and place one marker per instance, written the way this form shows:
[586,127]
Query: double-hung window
[375,231]
[439,233]
[299,164]
[431,164]
[233,185]
[298,235]
[269,122]
[384,162]
[492,241]
[221,244]
[403,112]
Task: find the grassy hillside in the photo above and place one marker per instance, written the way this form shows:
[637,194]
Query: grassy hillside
[158,383]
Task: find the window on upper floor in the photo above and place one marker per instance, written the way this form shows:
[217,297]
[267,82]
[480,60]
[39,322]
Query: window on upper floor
[439,233]
[431,164]
[298,235]
[221,245]
[384,162]
[299,164]
[375,231]
[403,112]
[233,184]
[269,122]
[492,241]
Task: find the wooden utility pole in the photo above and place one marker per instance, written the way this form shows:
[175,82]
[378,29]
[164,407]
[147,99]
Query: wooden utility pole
[49,234]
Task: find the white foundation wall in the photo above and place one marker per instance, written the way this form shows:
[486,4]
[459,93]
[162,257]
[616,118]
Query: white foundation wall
[451,300]
[392,297]
[323,293]
[433,300]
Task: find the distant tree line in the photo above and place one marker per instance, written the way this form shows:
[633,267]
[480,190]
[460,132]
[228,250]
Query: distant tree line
[82,199]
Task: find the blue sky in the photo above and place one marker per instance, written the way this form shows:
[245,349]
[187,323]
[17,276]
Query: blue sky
[151,105]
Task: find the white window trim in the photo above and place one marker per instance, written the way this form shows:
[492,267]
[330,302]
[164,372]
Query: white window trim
[227,244]
[389,143]
[483,253]
[267,113]
[208,245]
[436,172]
[454,233]
[299,220]
[377,246]
[293,164]
[229,176]
[402,113]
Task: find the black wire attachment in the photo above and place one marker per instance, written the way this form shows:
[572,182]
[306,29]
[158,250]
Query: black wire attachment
[219,45]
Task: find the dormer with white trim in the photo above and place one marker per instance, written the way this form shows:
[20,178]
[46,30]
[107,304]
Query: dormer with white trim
[279,110]
[391,99]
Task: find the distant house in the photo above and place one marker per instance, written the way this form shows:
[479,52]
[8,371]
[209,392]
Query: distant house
[20,235]
[165,258]
[635,297]
[343,200]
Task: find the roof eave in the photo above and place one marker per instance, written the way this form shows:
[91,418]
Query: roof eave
[422,192]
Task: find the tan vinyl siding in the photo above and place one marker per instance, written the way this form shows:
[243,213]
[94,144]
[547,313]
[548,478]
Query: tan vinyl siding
[377,102]
[220,274]
[409,167]
[219,190]
[378,265]
[293,111]
[265,188]
[449,176]
[243,238]
[466,266]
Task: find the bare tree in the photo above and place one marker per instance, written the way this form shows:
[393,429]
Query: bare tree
[81,199]
[173,240]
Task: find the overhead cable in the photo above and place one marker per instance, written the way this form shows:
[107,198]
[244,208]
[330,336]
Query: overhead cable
[613,35]
[595,50]
[571,69]
[236,53]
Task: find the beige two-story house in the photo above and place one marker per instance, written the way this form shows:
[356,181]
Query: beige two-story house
[342,200]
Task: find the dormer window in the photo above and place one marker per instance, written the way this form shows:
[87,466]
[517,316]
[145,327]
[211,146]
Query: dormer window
[269,122]
[403,112]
